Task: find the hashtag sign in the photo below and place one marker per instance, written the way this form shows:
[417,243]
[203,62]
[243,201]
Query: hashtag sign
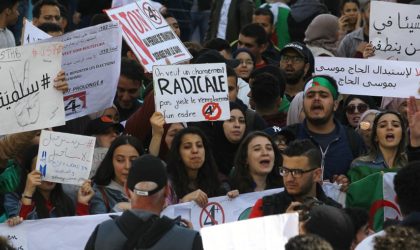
[45,81]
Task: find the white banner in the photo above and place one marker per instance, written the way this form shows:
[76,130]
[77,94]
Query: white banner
[266,233]
[149,35]
[191,92]
[372,77]
[219,210]
[28,99]
[395,31]
[65,158]
[65,233]
[32,34]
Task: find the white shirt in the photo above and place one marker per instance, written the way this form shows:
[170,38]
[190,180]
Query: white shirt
[243,91]
[223,22]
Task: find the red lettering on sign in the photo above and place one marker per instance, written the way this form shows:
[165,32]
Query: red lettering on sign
[133,37]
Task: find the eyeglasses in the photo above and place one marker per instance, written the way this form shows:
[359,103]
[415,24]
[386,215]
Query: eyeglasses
[365,125]
[295,172]
[361,108]
[293,59]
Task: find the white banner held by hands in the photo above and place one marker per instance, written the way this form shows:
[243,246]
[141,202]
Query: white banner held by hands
[65,158]
[32,34]
[28,100]
[372,77]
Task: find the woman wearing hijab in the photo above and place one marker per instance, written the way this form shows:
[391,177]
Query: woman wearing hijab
[322,34]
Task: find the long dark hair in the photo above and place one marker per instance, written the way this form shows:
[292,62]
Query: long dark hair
[207,178]
[105,172]
[241,178]
[63,205]
[400,158]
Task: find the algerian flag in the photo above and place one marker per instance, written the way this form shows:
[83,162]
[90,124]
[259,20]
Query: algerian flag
[376,194]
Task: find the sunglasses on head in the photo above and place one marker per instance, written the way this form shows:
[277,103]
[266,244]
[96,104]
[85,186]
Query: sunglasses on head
[361,108]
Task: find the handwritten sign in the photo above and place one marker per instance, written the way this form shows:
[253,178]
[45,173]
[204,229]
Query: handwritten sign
[92,61]
[65,158]
[395,35]
[118,3]
[28,100]
[372,77]
[193,92]
[219,209]
[268,233]
[65,233]
[148,35]
[31,33]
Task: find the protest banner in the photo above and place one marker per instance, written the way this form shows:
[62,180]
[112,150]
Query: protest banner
[148,34]
[92,61]
[396,34]
[372,77]
[31,34]
[191,92]
[65,158]
[64,233]
[28,98]
[268,233]
[219,210]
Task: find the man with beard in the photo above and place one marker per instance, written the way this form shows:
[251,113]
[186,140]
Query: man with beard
[297,62]
[339,145]
[301,173]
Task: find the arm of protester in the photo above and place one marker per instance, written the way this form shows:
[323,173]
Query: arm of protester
[157,121]
[233,193]
[121,207]
[369,51]
[198,196]
[294,207]
[11,145]
[413,116]
[343,181]
[60,82]
[13,221]
[85,193]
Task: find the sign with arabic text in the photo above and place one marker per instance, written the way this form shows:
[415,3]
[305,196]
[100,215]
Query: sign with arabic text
[372,77]
[65,158]
[28,99]
[395,31]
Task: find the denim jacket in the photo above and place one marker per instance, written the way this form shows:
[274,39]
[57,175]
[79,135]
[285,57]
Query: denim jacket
[12,205]
[106,194]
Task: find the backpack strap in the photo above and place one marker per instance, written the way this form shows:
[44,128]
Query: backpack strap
[105,198]
[142,234]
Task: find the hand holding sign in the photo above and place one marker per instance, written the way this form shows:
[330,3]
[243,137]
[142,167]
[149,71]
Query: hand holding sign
[85,193]
[27,108]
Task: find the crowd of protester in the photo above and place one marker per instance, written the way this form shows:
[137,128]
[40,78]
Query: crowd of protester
[287,127]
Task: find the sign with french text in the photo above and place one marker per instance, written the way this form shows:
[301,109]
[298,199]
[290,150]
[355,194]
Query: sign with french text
[65,158]
[372,77]
[148,34]
[191,92]
[396,34]
[92,61]
[28,99]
